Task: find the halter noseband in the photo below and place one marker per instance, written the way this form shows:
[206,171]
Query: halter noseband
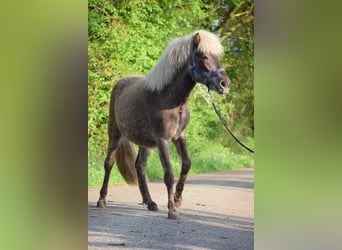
[206,75]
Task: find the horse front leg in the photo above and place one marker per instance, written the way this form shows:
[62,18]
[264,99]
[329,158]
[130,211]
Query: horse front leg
[180,144]
[163,150]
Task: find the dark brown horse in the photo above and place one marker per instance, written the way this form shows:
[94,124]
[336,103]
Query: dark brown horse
[153,111]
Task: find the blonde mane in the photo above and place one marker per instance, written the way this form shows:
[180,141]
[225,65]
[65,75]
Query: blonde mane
[176,56]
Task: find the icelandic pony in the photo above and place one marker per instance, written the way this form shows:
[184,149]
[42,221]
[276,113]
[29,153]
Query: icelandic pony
[152,111]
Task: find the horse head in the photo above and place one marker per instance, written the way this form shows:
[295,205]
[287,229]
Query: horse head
[205,65]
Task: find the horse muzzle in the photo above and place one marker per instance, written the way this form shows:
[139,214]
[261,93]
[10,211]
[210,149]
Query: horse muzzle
[223,86]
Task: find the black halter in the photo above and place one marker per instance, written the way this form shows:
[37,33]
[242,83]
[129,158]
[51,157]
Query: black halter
[205,75]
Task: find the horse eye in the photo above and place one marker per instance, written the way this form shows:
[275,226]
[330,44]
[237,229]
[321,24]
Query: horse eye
[204,57]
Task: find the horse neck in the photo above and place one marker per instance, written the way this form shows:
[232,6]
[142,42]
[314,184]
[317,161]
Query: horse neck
[180,87]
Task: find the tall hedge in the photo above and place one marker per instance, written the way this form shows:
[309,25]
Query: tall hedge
[128,37]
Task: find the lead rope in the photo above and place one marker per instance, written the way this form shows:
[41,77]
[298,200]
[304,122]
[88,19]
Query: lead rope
[225,125]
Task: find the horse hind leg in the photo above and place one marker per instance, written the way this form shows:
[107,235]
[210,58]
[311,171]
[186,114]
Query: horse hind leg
[180,144]
[140,166]
[108,165]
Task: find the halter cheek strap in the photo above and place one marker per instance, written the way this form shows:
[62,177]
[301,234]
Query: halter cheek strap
[205,75]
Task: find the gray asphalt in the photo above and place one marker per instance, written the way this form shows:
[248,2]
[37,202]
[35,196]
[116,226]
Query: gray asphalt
[217,213]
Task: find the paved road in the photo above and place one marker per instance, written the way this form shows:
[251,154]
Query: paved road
[217,213]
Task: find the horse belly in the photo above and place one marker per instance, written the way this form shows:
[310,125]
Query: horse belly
[137,131]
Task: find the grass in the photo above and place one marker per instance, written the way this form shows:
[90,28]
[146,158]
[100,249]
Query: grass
[205,159]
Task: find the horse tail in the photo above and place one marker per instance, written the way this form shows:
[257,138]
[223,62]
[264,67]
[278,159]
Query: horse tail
[125,159]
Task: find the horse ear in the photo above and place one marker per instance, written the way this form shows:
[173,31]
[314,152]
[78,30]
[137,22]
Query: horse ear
[197,38]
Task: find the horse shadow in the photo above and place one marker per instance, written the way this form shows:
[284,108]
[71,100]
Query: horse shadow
[132,226]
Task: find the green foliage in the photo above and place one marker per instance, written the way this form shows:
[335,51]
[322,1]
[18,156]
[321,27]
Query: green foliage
[128,37]
[209,157]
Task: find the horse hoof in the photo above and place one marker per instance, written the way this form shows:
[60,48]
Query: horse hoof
[152,206]
[173,216]
[101,204]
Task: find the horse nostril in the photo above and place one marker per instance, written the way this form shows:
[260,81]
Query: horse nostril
[222,84]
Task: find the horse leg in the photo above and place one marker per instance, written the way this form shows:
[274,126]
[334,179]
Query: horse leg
[140,165]
[180,144]
[108,165]
[163,150]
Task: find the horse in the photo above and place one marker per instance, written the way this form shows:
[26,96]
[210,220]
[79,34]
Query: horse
[152,111]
